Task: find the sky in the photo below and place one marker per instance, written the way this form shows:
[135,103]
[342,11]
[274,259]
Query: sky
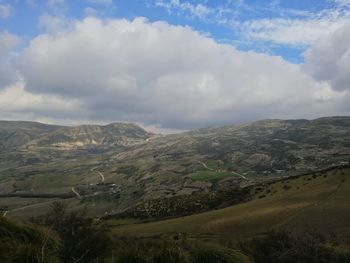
[173,65]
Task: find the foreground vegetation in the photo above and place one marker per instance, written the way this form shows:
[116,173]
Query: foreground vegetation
[70,237]
[283,247]
[60,236]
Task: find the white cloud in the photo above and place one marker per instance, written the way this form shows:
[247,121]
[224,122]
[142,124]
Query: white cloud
[101,2]
[53,3]
[56,7]
[195,10]
[90,11]
[295,32]
[51,23]
[5,11]
[7,43]
[15,98]
[329,59]
[18,104]
[342,2]
[171,76]
[296,28]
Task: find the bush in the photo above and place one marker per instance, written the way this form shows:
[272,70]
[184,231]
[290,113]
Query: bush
[286,187]
[281,247]
[65,237]
[27,243]
[83,240]
[151,251]
[205,255]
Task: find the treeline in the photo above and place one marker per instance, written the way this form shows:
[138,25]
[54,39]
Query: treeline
[178,206]
[38,195]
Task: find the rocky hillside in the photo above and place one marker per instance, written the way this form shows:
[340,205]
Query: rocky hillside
[115,134]
[263,147]
[24,134]
[18,133]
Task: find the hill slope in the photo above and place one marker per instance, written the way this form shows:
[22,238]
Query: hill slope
[17,133]
[316,202]
[112,135]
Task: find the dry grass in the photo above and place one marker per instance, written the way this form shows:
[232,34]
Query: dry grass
[320,203]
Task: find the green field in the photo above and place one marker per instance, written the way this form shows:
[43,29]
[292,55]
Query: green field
[213,164]
[210,176]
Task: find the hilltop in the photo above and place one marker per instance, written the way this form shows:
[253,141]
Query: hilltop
[22,135]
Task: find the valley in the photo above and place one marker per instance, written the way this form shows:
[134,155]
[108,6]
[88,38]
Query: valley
[117,168]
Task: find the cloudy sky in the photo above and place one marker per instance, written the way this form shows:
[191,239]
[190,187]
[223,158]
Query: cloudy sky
[173,64]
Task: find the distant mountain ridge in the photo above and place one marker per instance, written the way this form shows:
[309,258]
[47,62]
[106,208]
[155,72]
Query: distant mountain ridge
[19,134]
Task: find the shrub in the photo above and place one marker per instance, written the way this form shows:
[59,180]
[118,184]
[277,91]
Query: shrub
[286,187]
[282,247]
[151,251]
[205,255]
[83,240]
[27,243]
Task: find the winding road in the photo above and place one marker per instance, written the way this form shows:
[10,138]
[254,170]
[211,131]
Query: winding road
[235,173]
[92,170]
[99,173]
[205,166]
[102,177]
[242,176]
[76,193]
